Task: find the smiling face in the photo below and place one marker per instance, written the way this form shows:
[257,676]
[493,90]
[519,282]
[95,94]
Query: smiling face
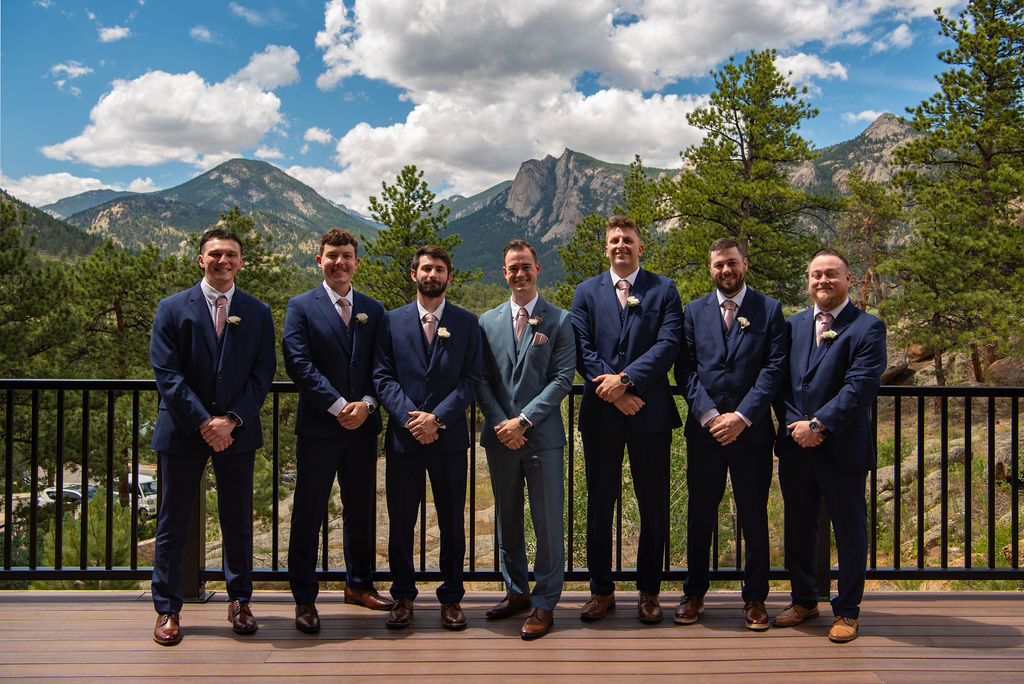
[220,260]
[520,271]
[828,281]
[339,264]
[729,270]
[623,248]
[431,276]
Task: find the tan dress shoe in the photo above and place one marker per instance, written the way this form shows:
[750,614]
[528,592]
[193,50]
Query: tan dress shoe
[511,605]
[794,614]
[648,610]
[843,629]
[755,616]
[400,615]
[452,616]
[688,611]
[597,607]
[168,629]
[241,619]
[368,598]
[538,623]
[306,618]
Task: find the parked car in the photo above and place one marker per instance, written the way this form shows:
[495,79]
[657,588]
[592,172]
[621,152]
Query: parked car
[72,495]
[147,495]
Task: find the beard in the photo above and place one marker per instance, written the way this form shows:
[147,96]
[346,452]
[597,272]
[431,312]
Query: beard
[732,288]
[431,289]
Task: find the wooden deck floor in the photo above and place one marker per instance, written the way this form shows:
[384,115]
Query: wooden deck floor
[905,637]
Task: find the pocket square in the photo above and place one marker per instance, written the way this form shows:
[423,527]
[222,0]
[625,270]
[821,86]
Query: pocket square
[539,338]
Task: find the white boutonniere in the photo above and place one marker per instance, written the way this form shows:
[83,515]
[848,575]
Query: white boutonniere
[234,320]
[535,321]
[361,318]
[443,333]
[829,335]
[742,320]
[632,301]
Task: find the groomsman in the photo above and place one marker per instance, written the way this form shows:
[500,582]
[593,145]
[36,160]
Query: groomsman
[328,345]
[212,351]
[730,367]
[825,443]
[628,326]
[529,362]
[427,372]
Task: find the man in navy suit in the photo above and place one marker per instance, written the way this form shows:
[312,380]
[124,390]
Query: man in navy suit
[825,443]
[427,371]
[529,362]
[212,351]
[328,344]
[731,365]
[628,326]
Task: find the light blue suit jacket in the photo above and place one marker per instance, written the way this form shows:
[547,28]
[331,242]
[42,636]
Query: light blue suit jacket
[531,380]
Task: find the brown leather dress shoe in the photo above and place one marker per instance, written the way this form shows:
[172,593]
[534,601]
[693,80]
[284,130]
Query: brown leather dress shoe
[794,614]
[241,618]
[648,610]
[452,616]
[511,605]
[368,598]
[597,607]
[306,618]
[400,615]
[538,623]
[688,611]
[755,616]
[843,629]
[168,629]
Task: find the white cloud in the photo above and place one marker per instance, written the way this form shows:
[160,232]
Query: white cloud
[318,135]
[71,69]
[160,117]
[108,34]
[897,39]
[867,115]
[202,34]
[250,15]
[807,69]
[48,188]
[264,152]
[273,67]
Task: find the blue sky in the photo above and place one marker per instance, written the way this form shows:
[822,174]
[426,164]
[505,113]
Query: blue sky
[146,94]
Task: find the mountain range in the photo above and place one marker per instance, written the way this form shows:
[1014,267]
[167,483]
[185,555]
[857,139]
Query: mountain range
[542,204]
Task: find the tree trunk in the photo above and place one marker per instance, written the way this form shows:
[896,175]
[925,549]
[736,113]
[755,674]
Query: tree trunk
[979,369]
[940,373]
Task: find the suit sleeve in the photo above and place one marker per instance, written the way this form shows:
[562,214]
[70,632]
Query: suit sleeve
[654,363]
[261,374]
[489,404]
[861,381]
[758,399]
[184,405]
[588,360]
[298,358]
[385,376]
[458,400]
[561,369]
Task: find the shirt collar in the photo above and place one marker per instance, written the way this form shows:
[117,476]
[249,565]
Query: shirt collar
[738,298]
[835,312]
[631,278]
[439,311]
[335,296]
[530,306]
[212,294]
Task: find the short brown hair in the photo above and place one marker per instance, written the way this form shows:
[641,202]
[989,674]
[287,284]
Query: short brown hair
[219,234]
[517,245]
[828,251]
[724,243]
[434,252]
[336,237]
[623,223]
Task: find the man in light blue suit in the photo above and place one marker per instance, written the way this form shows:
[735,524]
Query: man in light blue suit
[328,344]
[427,372]
[529,362]
[826,445]
[628,324]
[212,351]
[730,366]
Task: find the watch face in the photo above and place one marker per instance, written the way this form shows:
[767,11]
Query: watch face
[523,422]
[624,379]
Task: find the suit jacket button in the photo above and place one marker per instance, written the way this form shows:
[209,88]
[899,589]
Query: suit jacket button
[806,386]
[213,405]
[220,376]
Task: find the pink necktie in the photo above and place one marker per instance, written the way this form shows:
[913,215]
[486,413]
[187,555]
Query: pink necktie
[429,322]
[220,315]
[622,288]
[521,322]
[824,321]
[346,310]
[728,312]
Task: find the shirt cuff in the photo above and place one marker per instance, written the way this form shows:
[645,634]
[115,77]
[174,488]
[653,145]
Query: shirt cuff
[523,416]
[370,400]
[335,408]
[708,416]
[745,419]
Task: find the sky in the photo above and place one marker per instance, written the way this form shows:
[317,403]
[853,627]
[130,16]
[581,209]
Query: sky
[143,95]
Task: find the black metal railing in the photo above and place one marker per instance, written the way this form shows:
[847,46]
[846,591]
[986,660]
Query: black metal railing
[950,511]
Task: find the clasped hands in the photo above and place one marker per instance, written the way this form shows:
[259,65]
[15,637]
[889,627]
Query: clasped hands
[353,414]
[611,389]
[803,435]
[511,434]
[423,426]
[726,427]
[216,431]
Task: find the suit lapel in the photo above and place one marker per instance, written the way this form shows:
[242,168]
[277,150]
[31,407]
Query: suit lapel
[201,311]
[839,325]
[413,334]
[539,311]
[631,313]
[750,310]
[333,319]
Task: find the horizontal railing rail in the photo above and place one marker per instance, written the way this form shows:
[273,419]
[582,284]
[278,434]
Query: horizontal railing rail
[944,503]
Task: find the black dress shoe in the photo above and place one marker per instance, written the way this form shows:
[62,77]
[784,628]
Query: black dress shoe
[241,618]
[168,629]
[306,618]
[509,606]
[452,616]
[400,615]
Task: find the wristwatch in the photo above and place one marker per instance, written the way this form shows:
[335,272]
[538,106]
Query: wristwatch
[523,423]
[370,406]
[624,379]
[815,426]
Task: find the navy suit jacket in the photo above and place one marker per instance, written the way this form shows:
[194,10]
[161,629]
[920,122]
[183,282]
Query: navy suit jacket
[198,376]
[326,361]
[739,370]
[644,342]
[442,380]
[531,380]
[836,382]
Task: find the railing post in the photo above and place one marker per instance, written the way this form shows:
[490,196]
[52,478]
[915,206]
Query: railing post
[824,573]
[193,562]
